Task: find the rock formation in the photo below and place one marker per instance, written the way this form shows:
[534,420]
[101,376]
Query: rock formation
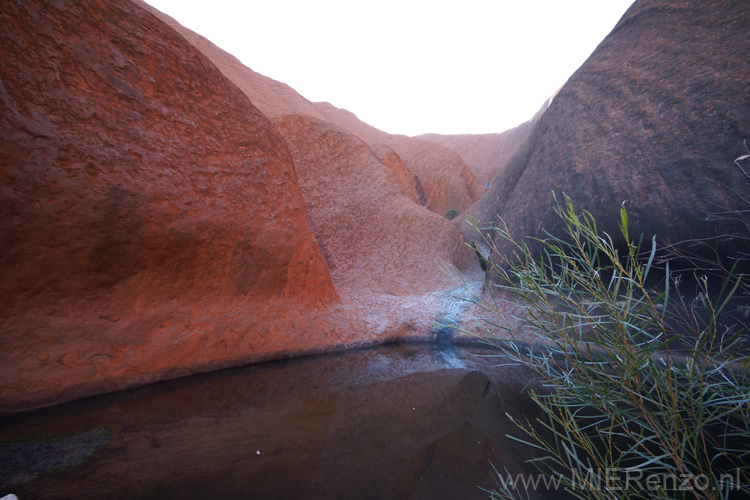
[154,225]
[151,215]
[447,181]
[392,160]
[272,97]
[488,154]
[654,118]
[342,165]
[374,237]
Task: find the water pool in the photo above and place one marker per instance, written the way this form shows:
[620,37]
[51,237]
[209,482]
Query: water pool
[393,422]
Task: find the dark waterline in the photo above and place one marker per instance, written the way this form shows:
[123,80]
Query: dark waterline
[394,422]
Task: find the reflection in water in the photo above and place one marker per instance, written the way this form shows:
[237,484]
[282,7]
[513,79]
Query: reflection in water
[389,423]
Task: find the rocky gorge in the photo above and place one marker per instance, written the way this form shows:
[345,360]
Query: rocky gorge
[167,211]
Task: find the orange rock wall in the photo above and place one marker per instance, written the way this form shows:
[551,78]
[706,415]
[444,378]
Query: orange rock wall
[392,160]
[152,224]
[446,181]
[374,237]
[156,224]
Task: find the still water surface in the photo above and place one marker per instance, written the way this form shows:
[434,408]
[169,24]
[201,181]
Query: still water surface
[395,422]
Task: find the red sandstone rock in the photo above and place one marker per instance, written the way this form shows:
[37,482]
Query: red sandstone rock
[654,118]
[152,225]
[392,160]
[448,183]
[352,200]
[374,237]
[433,176]
[443,177]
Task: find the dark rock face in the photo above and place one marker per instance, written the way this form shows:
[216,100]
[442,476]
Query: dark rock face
[654,118]
[151,215]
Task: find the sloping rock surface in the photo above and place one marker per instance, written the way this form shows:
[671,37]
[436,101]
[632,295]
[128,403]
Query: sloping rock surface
[373,235]
[654,118]
[488,154]
[152,225]
[272,97]
[392,160]
[447,182]
[382,247]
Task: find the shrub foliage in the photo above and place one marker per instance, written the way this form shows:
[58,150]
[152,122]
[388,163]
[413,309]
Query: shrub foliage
[643,385]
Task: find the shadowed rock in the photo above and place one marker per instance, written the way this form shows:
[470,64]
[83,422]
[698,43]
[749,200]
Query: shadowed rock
[392,160]
[654,118]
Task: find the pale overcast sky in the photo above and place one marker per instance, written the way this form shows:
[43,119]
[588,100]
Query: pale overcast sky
[411,66]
